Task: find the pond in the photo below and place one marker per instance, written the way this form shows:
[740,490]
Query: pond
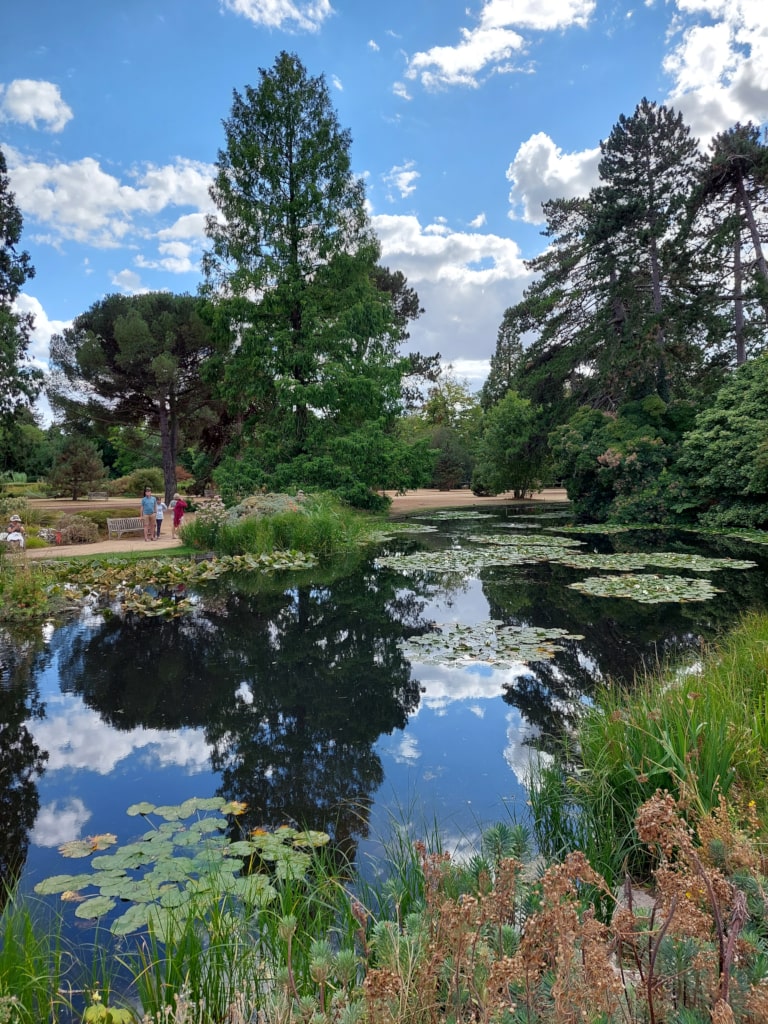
[350,699]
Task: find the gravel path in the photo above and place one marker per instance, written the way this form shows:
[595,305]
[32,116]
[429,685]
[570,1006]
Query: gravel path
[402,504]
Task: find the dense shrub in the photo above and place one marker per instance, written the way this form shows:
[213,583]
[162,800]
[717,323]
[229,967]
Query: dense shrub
[135,482]
[77,530]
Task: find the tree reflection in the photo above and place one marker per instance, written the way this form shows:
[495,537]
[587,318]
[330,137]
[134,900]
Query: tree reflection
[21,760]
[292,687]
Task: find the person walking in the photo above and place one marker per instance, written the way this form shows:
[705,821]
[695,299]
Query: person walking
[148,506]
[179,508]
[160,509]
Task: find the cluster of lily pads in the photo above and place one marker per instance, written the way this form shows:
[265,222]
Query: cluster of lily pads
[648,588]
[157,587]
[490,642]
[180,865]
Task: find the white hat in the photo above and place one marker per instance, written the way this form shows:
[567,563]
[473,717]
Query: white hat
[15,519]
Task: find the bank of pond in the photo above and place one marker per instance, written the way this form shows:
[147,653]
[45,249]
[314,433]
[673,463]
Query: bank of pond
[594,701]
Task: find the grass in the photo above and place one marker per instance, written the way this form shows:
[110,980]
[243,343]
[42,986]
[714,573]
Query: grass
[699,735]
[318,524]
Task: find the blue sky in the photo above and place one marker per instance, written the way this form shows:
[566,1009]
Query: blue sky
[465,115]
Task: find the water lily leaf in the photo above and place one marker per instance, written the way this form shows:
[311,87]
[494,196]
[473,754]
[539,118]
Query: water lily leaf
[95,907]
[174,898]
[235,807]
[255,889]
[171,869]
[142,808]
[134,918]
[61,883]
[624,562]
[241,848]
[311,838]
[489,642]
[648,589]
[85,847]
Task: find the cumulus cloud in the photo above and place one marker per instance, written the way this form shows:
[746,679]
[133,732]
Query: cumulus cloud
[465,281]
[128,282]
[37,104]
[540,171]
[494,40]
[43,329]
[478,221]
[81,202]
[401,180]
[719,63]
[283,14]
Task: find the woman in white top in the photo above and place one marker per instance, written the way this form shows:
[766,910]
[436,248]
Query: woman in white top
[160,508]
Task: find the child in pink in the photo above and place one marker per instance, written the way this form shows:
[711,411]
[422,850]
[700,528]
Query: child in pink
[179,508]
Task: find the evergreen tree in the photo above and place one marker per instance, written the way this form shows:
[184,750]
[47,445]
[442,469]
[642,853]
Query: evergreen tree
[135,360]
[308,324]
[730,218]
[77,467]
[649,320]
[19,382]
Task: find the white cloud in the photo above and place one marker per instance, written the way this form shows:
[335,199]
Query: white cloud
[478,221]
[401,179]
[60,823]
[401,89]
[284,14]
[540,171]
[191,225]
[719,65]
[35,104]
[77,738]
[373,45]
[43,330]
[336,82]
[128,281]
[461,64]
[465,281]
[175,258]
[494,40]
[80,202]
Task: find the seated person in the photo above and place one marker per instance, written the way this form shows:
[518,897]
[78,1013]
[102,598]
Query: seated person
[14,531]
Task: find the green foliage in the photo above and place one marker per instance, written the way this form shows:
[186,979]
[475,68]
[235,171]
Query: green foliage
[617,465]
[138,359]
[316,524]
[134,483]
[697,737]
[508,456]
[19,381]
[77,468]
[723,458]
[310,371]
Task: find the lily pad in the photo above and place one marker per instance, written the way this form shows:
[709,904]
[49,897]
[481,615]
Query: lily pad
[648,589]
[662,559]
[98,906]
[85,847]
[490,642]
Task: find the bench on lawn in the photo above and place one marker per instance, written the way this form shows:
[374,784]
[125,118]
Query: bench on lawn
[98,496]
[128,524]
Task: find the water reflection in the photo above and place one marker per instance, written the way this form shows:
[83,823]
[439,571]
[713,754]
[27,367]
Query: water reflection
[21,759]
[297,699]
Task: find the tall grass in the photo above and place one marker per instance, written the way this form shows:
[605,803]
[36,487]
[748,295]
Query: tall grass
[319,525]
[35,970]
[698,736]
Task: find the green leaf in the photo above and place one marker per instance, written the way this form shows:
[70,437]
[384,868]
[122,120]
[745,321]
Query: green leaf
[95,907]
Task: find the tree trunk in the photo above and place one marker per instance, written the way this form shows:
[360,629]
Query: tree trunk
[168,447]
[762,268]
[738,303]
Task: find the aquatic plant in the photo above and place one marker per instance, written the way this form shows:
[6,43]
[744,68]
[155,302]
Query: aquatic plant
[647,589]
[624,562]
[490,642]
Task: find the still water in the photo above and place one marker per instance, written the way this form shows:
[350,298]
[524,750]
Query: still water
[297,698]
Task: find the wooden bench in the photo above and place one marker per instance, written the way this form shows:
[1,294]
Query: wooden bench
[128,524]
[98,496]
